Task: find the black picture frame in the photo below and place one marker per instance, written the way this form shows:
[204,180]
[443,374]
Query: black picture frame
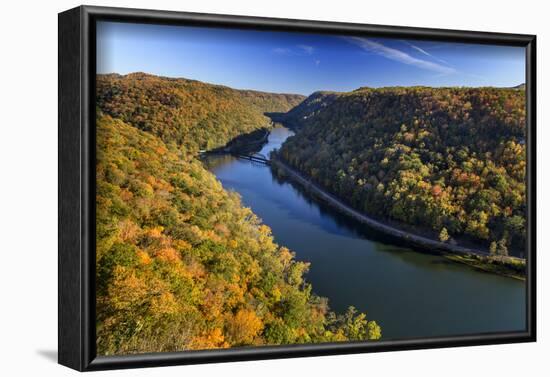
[76,185]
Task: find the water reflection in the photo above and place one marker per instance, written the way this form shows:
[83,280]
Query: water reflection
[410,294]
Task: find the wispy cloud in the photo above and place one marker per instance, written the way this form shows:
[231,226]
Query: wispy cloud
[308,50]
[298,50]
[399,56]
[317,62]
[424,52]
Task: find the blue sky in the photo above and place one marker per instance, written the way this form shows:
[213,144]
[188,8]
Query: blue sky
[298,62]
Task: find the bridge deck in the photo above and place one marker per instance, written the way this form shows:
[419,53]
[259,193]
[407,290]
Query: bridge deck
[253,158]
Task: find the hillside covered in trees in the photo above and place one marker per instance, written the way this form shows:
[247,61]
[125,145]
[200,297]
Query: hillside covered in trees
[312,105]
[181,263]
[449,161]
[191,113]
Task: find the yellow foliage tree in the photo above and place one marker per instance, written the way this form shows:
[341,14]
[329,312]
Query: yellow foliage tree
[243,327]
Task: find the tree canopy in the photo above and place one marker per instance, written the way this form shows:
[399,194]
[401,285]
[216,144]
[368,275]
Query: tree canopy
[181,263]
[450,161]
[187,112]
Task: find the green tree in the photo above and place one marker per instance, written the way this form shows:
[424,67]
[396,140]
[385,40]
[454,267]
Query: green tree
[493,248]
[502,247]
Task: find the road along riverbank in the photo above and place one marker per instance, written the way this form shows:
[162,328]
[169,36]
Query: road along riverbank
[503,265]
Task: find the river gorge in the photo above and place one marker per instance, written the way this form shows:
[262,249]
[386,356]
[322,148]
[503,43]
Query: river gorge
[410,294]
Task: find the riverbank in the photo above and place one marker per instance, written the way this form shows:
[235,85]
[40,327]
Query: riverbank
[507,266]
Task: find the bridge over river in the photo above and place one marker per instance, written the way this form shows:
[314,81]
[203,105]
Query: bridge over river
[254,157]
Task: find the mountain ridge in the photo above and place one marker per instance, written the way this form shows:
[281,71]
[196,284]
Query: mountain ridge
[190,113]
[449,159]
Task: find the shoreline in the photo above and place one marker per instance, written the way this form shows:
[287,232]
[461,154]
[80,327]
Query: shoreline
[476,258]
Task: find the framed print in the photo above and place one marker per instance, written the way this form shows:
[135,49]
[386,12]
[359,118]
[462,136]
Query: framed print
[239,188]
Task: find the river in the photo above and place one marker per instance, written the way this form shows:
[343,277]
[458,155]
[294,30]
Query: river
[410,294]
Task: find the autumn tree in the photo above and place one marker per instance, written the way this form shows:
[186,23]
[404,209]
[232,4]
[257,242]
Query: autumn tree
[443,235]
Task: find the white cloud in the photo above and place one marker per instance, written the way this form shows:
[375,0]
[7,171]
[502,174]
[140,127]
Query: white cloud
[399,56]
[281,51]
[422,51]
[308,50]
[298,50]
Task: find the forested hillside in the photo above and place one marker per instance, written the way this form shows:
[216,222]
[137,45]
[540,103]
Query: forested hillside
[448,160]
[181,263]
[187,112]
[312,105]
